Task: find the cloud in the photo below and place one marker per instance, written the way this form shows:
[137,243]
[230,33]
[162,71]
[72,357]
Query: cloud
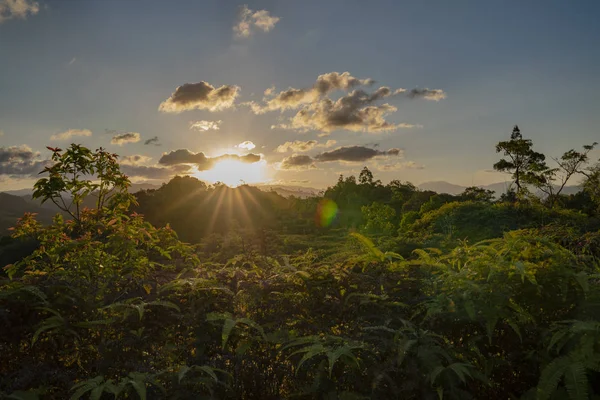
[1,132]
[136,159]
[358,110]
[400,166]
[248,145]
[249,20]
[427,94]
[200,96]
[297,162]
[293,98]
[200,160]
[300,146]
[355,154]
[154,141]
[153,172]
[127,137]
[71,133]
[10,9]
[205,125]
[354,111]
[21,162]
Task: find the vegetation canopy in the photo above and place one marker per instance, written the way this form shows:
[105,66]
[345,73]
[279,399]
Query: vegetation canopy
[402,294]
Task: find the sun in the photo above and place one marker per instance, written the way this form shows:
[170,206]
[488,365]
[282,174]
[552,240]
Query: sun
[234,173]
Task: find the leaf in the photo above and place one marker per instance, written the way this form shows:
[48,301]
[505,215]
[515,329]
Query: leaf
[470,309]
[208,370]
[138,381]
[163,303]
[583,281]
[333,356]
[228,326]
[182,371]
[576,381]
[24,395]
[550,377]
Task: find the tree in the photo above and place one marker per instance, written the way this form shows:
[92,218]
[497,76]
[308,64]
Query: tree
[78,173]
[474,193]
[522,162]
[553,180]
[592,183]
[379,218]
[365,177]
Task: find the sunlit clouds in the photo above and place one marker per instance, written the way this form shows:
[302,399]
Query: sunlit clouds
[300,146]
[21,9]
[246,145]
[71,133]
[359,110]
[399,166]
[200,96]
[234,172]
[204,126]
[201,161]
[126,137]
[249,21]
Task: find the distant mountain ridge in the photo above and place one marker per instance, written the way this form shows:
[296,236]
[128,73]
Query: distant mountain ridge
[498,188]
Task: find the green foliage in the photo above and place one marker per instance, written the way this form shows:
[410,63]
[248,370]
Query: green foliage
[109,306]
[379,218]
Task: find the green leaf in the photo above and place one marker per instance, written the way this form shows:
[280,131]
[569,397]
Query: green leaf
[551,376]
[576,381]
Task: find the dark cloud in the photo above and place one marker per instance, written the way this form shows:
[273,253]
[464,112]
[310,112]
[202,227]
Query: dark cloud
[297,162]
[21,162]
[354,154]
[200,96]
[201,161]
[153,172]
[136,159]
[155,141]
[127,137]
[427,94]
[182,156]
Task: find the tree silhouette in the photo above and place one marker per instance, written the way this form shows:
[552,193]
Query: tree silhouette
[525,164]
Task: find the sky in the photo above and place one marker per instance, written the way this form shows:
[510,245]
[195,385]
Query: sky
[296,92]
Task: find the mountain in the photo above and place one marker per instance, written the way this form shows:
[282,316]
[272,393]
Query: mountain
[288,191]
[498,188]
[442,187]
[13,207]
[135,187]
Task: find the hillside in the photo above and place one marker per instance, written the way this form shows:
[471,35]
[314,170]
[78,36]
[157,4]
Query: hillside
[13,208]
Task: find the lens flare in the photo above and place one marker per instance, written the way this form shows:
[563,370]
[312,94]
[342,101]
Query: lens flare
[327,210]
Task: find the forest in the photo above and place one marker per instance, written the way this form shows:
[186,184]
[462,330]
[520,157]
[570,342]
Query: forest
[368,291]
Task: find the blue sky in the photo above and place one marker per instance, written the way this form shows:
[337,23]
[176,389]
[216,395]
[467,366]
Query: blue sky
[108,65]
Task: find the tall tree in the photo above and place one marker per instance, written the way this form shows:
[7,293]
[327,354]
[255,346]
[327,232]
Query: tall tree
[366,176]
[525,164]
